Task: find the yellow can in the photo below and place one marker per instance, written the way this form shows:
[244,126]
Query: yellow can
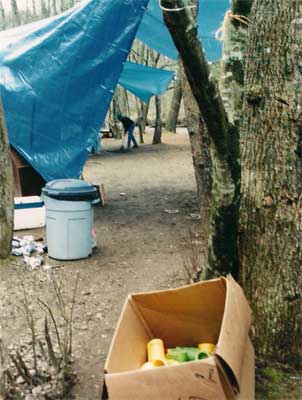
[208,348]
[156,351]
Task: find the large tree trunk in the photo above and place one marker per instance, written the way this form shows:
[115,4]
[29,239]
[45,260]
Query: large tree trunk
[271,216]
[6,191]
[171,119]
[158,122]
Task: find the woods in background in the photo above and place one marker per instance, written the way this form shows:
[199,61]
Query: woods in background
[13,13]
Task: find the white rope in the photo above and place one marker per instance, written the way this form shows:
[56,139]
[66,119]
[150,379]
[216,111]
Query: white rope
[175,9]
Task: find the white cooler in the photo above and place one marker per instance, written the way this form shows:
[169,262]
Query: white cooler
[29,213]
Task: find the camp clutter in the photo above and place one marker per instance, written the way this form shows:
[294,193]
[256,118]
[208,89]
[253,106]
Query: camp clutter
[210,317]
[158,357]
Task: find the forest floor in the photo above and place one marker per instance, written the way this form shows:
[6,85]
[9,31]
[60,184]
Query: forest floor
[140,247]
[144,238]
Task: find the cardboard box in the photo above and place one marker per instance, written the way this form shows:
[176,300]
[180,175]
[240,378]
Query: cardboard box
[214,311]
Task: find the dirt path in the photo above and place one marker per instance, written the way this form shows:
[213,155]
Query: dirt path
[140,247]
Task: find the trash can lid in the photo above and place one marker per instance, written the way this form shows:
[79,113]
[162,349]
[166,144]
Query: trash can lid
[71,190]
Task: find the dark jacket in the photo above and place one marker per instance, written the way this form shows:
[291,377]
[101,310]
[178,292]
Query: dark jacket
[127,122]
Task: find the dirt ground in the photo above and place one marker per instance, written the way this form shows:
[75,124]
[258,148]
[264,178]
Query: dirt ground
[140,247]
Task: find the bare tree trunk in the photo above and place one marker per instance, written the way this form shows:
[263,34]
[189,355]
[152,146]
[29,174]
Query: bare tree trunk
[158,122]
[271,205]
[122,100]
[113,123]
[6,190]
[34,7]
[142,56]
[142,112]
[54,7]
[127,101]
[2,16]
[171,120]
[15,12]
[44,9]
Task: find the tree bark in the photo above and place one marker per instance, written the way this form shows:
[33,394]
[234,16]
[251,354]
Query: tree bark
[271,216]
[6,190]
[171,120]
[201,155]
[223,254]
[158,122]
[232,64]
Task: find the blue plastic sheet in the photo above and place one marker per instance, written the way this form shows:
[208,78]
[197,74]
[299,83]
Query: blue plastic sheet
[57,77]
[154,33]
[143,81]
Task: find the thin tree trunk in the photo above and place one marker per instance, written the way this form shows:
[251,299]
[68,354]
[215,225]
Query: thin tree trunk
[54,7]
[122,100]
[223,254]
[271,205]
[171,120]
[6,190]
[113,123]
[2,15]
[15,12]
[141,55]
[34,7]
[44,9]
[127,101]
[27,13]
[142,112]
[158,122]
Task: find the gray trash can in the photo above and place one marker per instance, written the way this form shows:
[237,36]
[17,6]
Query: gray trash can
[69,218]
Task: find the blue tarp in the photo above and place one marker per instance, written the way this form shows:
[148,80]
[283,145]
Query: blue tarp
[154,33]
[57,77]
[144,81]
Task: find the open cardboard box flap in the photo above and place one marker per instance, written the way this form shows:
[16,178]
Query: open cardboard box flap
[214,311]
[234,329]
